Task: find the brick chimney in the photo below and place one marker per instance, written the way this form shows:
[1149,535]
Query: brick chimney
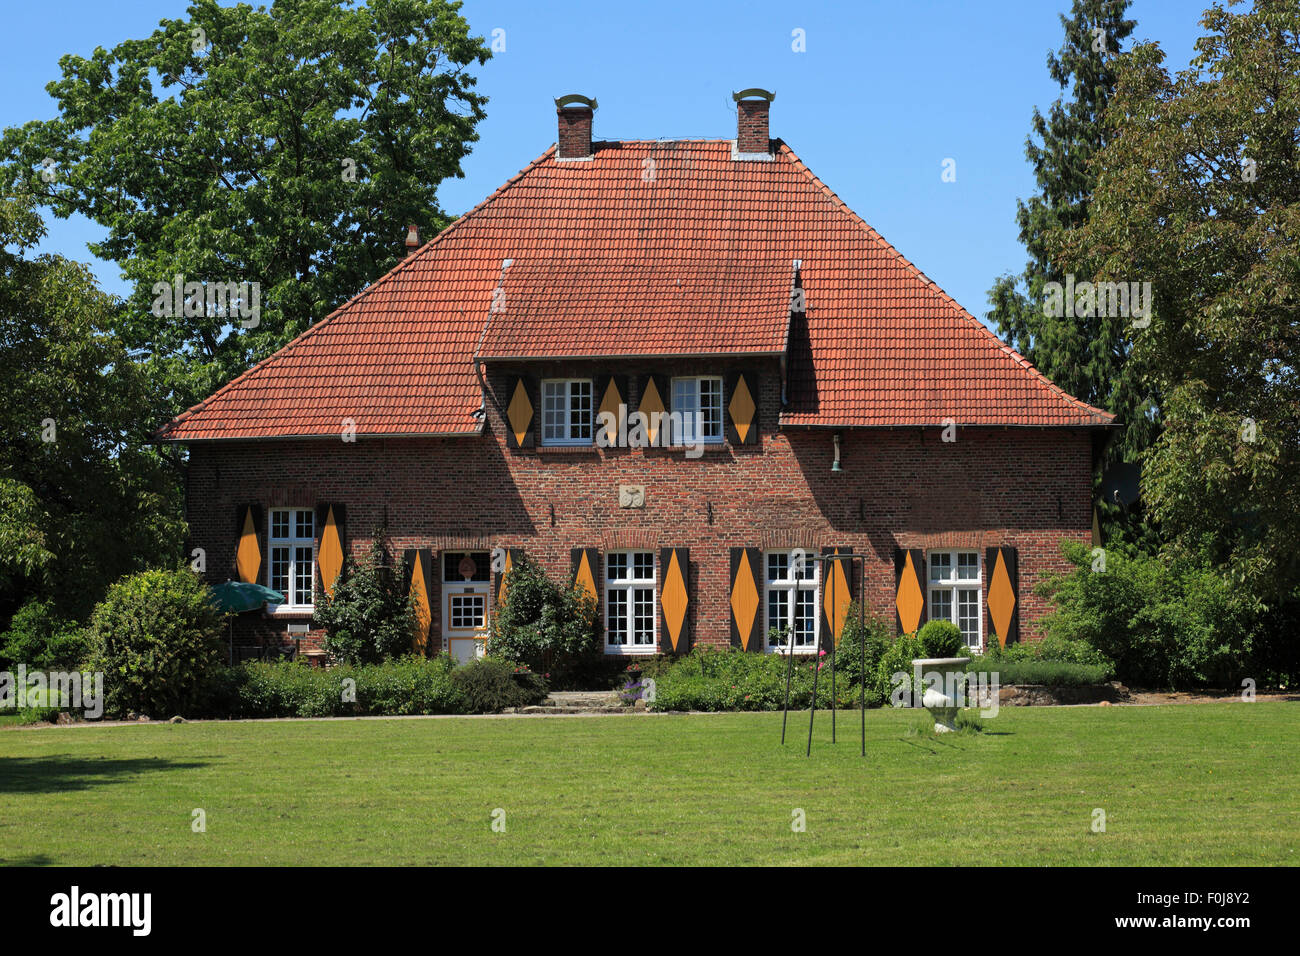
[751,120]
[574,113]
[412,241]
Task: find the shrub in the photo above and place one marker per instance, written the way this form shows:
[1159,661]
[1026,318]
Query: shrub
[156,636]
[940,638]
[409,685]
[370,618]
[542,624]
[1164,622]
[714,680]
[848,656]
[488,686]
[897,658]
[42,640]
[1051,673]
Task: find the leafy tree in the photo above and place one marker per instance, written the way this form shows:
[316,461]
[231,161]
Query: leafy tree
[157,637]
[370,618]
[541,622]
[1084,355]
[287,146]
[1197,190]
[84,498]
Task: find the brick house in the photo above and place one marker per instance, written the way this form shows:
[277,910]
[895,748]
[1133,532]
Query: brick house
[676,369]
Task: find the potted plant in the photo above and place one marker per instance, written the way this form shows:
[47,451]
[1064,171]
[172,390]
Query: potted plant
[633,672]
[521,674]
[941,642]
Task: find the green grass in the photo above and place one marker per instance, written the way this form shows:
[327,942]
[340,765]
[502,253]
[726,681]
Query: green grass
[1202,784]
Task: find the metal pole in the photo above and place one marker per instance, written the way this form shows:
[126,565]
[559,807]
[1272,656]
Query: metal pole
[789,666]
[812,714]
[862,637]
[832,566]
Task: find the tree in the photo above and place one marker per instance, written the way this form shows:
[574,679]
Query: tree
[369,618]
[286,146]
[1084,355]
[1197,191]
[541,623]
[84,498]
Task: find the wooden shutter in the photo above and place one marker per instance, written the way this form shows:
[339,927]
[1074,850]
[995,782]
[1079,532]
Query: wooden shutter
[250,543]
[742,408]
[655,399]
[674,600]
[332,546]
[611,392]
[909,590]
[837,595]
[585,567]
[521,412]
[514,556]
[418,569]
[747,599]
[1002,594]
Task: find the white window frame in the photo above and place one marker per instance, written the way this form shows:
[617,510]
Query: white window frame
[293,542]
[567,426]
[952,584]
[629,585]
[790,586]
[691,434]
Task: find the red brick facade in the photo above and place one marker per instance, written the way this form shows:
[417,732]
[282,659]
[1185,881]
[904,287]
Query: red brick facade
[1025,488]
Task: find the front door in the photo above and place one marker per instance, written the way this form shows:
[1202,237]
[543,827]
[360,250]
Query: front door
[465,579]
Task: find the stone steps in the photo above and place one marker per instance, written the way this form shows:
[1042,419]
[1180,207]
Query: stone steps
[578,702]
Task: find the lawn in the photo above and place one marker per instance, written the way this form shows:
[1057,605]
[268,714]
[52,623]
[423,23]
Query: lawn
[1202,784]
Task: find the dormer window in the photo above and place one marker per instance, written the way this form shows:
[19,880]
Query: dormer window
[699,401]
[566,411]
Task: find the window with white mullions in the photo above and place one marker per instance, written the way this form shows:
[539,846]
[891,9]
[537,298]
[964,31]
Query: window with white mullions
[956,589]
[630,609]
[699,402]
[292,564]
[792,589]
[566,411]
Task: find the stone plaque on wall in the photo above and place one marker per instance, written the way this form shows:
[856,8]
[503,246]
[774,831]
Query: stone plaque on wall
[631,496]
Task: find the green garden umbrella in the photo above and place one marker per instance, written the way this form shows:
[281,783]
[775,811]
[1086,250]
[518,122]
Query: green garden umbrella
[239,596]
[236,597]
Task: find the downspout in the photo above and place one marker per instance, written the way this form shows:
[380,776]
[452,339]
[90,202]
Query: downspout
[498,295]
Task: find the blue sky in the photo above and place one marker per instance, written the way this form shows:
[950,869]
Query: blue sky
[885,92]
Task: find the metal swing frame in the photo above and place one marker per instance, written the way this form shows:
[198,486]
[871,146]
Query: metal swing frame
[861,563]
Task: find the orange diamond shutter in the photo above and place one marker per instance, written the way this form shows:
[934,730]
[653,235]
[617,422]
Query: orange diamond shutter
[837,595]
[585,564]
[417,582]
[611,393]
[742,408]
[513,558]
[655,400]
[331,544]
[747,599]
[250,543]
[909,590]
[674,600]
[1002,594]
[521,412]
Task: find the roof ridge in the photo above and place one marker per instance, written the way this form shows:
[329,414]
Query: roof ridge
[934,287]
[401,266]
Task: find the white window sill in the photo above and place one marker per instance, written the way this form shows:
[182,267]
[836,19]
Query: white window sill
[631,652]
[289,610]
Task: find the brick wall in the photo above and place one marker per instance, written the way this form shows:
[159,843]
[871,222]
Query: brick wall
[1026,488]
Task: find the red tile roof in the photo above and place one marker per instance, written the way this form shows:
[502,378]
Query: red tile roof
[607,259]
[668,306]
